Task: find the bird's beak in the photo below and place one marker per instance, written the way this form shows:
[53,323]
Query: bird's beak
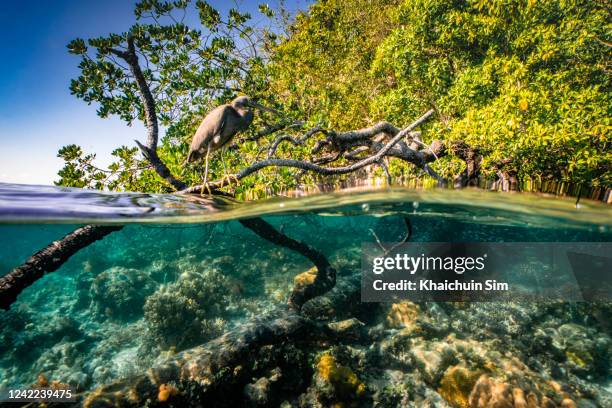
[263,108]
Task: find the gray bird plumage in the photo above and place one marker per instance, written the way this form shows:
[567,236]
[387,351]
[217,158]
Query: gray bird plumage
[220,126]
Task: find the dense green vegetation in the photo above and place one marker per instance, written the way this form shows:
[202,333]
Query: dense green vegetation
[525,82]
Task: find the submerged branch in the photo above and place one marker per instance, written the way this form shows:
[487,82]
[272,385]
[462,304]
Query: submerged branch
[325,278]
[220,369]
[221,366]
[48,259]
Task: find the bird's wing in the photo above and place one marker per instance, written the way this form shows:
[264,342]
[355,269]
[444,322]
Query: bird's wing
[212,125]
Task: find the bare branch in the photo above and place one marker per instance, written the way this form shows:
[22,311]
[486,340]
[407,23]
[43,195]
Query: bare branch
[150,150]
[352,155]
[433,174]
[296,141]
[277,142]
[330,158]
[386,170]
[409,155]
[367,133]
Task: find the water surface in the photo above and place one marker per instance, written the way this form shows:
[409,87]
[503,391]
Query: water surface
[183,271]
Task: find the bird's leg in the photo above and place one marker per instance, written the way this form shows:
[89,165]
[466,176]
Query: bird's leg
[227,177]
[205,183]
[223,161]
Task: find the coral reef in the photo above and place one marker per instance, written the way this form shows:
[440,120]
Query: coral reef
[402,314]
[166,391]
[336,380]
[190,310]
[456,385]
[488,392]
[342,382]
[401,361]
[185,322]
[119,293]
[589,351]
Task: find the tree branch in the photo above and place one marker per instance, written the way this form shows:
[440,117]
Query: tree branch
[160,167]
[268,130]
[367,133]
[413,156]
[148,102]
[49,259]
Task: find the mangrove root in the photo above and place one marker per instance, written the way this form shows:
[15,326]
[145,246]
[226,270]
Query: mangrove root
[220,369]
[338,303]
[325,278]
[48,259]
[215,371]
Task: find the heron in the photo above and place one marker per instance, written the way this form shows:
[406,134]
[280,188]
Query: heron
[219,127]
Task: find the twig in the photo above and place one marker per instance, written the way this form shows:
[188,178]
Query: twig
[386,170]
[403,241]
[268,130]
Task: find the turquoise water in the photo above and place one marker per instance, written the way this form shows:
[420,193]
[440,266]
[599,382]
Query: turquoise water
[183,271]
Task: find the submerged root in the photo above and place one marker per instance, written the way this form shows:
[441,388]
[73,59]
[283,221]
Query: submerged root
[323,281]
[223,368]
[220,367]
[49,259]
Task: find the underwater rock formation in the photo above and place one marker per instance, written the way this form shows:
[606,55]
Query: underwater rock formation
[405,355]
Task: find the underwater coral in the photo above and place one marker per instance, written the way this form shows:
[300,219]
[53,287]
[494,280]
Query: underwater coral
[189,311]
[119,311]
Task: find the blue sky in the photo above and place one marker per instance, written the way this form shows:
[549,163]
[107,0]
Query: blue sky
[37,113]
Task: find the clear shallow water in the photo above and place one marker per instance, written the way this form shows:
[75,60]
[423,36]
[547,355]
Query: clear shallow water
[183,271]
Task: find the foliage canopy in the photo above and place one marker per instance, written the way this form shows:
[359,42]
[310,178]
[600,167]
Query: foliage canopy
[525,82]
